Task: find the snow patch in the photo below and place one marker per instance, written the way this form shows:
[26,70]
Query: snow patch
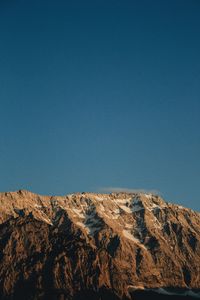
[101,207]
[125,208]
[148,196]
[119,200]
[78,212]
[136,200]
[38,206]
[92,223]
[130,226]
[82,225]
[136,208]
[100,198]
[129,236]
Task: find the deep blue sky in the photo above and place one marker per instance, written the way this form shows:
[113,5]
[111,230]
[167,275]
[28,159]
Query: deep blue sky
[96,94]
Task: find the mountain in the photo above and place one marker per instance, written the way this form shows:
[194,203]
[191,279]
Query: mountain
[97,246]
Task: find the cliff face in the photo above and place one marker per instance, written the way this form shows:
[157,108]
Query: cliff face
[64,247]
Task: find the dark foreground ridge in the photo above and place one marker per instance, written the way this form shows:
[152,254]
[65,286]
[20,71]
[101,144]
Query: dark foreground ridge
[137,295]
[103,294]
[145,295]
[96,246]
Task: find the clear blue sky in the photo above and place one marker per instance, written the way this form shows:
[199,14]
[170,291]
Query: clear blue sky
[96,94]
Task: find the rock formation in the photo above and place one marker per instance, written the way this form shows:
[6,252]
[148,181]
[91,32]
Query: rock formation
[98,246]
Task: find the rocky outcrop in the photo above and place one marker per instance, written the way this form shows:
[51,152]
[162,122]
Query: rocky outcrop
[97,245]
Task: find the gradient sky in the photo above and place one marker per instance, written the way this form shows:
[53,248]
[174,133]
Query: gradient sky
[98,94]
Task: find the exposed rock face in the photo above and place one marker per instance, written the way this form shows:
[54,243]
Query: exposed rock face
[63,247]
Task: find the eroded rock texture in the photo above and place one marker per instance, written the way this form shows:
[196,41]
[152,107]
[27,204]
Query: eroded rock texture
[95,246]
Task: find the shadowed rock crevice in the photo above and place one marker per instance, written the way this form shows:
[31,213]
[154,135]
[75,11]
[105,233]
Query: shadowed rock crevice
[138,259]
[187,275]
[113,245]
[192,241]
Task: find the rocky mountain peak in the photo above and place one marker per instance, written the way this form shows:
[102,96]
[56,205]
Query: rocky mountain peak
[85,240]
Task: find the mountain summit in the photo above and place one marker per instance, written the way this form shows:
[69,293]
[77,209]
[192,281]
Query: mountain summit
[104,246]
